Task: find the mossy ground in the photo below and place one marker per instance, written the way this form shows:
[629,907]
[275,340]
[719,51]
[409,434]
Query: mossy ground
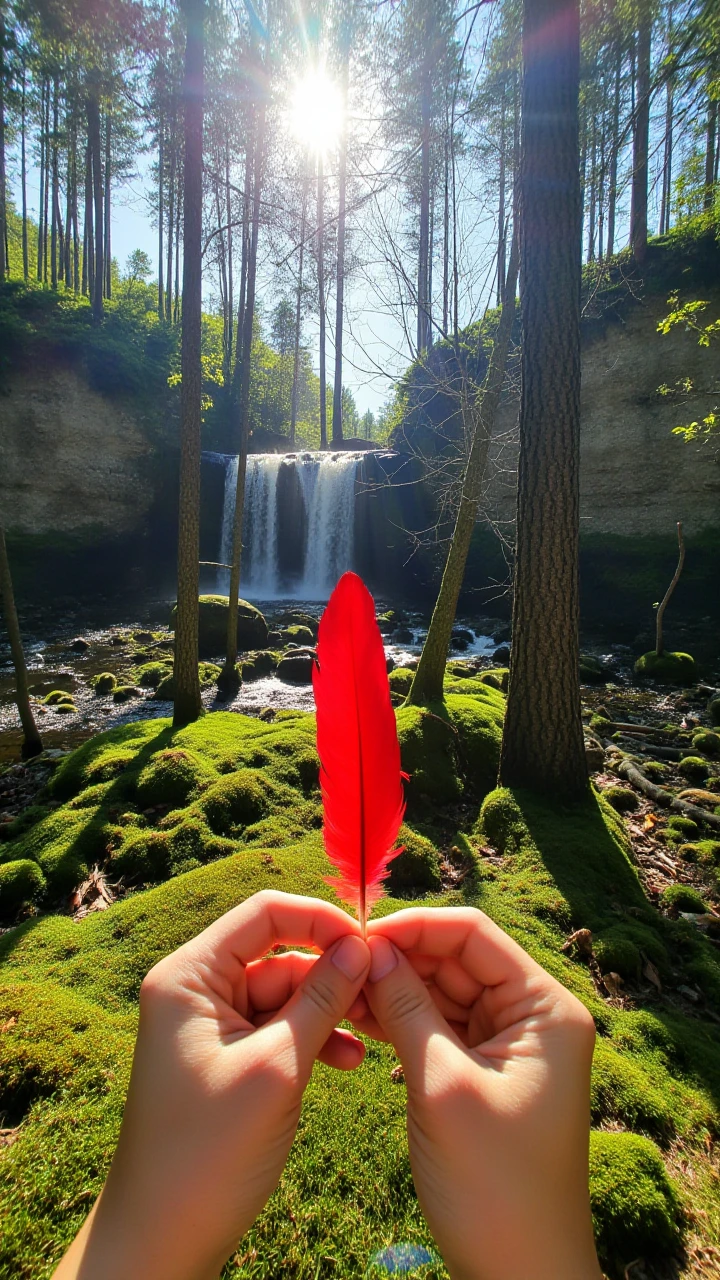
[230,805]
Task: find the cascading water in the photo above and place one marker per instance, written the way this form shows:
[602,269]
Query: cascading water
[326,486]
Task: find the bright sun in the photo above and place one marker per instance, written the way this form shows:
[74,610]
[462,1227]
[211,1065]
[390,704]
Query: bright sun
[316,111]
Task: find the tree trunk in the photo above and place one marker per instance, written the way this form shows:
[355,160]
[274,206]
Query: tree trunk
[614,144]
[93,121]
[423,323]
[161,214]
[231,296]
[108,224]
[75,221]
[67,259]
[593,193]
[188,704]
[88,268]
[710,137]
[23,175]
[4,264]
[321,297]
[298,317]
[176,304]
[427,685]
[229,671]
[172,182]
[641,132]
[46,200]
[240,327]
[543,746]
[337,426]
[41,205]
[502,230]
[446,235]
[54,199]
[32,745]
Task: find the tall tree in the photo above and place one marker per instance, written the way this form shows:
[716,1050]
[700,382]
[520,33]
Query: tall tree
[32,744]
[542,744]
[427,685]
[641,134]
[188,704]
[320,262]
[337,417]
[3,188]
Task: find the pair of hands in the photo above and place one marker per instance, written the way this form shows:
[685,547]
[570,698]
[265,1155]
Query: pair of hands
[496,1056]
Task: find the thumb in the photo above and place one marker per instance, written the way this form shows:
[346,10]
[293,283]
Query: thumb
[324,998]
[404,1008]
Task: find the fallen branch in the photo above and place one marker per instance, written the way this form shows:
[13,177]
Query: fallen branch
[665,799]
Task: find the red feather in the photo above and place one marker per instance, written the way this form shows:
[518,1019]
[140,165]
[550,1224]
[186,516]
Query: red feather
[357,742]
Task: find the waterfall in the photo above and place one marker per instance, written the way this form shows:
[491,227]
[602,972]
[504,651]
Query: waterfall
[326,486]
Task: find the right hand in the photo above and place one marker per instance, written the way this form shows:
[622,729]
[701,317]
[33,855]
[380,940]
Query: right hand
[496,1056]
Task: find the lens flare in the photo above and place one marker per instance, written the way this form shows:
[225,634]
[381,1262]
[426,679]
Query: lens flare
[316,112]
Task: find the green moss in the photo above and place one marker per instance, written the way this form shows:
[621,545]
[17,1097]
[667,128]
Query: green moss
[400,680]
[616,953]
[621,798]
[451,747]
[21,882]
[171,777]
[707,742]
[65,709]
[56,697]
[679,828]
[242,798]
[299,635]
[252,631]
[104,683]
[622,1092]
[261,663]
[600,724]
[694,768]
[635,1206]
[668,668]
[417,867]
[497,678]
[592,670]
[682,897]
[209,673]
[150,674]
[655,769]
[124,693]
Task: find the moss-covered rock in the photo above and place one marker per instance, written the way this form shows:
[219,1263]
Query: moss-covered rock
[497,678]
[592,670]
[171,777]
[299,635]
[209,673]
[621,1092]
[124,693]
[622,799]
[296,668]
[417,867]
[238,800]
[151,674]
[707,742]
[65,709]
[104,683]
[694,768]
[680,828]
[616,953]
[21,882]
[453,746]
[56,696]
[400,680]
[261,663]
[667,668]
[635,1207]
[252,631]
[682,897]
[655,769]
[714,710]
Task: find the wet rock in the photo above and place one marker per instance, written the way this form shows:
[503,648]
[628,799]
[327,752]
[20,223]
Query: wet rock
[252,630]
[143,637]
[403,635]
[501,634]
[296,667]
[502,655]
[79,645]
[389,664]
[463,633]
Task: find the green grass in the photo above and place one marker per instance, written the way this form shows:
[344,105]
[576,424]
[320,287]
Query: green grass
[236,799]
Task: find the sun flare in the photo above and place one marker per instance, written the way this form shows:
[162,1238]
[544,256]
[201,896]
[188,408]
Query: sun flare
[316,111]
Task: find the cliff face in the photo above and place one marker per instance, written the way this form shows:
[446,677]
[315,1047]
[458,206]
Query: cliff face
[636,478]
[71,460]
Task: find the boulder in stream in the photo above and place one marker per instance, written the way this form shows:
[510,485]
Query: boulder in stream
[252,630]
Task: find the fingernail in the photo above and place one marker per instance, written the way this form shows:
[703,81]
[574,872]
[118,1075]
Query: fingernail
[383,959]
[350,958]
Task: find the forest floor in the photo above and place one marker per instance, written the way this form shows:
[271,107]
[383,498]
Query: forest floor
[142,836]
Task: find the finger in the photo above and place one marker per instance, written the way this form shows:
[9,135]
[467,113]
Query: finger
[342,1050]
[405,1010]
[265,920]
[322,1000]
[272,981]
[484,950]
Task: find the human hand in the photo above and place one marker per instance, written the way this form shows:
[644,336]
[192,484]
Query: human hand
[225,1047]
[496,1056]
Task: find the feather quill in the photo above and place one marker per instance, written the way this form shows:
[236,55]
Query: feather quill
[360,775]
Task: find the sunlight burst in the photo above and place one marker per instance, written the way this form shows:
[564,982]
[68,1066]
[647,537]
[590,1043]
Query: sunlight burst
[316,111]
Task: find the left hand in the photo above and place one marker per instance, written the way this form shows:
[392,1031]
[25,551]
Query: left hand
[225,1048]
